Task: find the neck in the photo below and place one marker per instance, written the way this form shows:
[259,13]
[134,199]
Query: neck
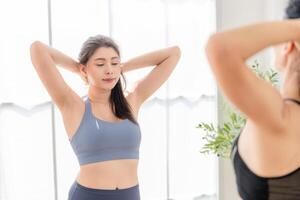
[98,95]
[290,87]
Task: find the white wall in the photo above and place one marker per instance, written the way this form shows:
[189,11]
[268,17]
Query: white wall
[230,14]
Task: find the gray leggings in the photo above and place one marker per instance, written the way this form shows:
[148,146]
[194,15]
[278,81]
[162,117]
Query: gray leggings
[80,192]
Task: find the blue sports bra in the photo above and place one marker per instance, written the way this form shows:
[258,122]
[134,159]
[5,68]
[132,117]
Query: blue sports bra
[97,140]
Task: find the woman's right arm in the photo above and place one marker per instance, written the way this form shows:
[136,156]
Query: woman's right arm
[44,60]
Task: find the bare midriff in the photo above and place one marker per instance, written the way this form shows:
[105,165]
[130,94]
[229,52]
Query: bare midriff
[109,174]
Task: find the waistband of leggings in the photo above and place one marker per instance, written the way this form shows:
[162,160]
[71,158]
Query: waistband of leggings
[96,190]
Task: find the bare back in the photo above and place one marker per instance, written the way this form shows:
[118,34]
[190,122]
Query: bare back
[270,154]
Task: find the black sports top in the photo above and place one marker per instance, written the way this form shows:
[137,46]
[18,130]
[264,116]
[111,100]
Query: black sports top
[253,187]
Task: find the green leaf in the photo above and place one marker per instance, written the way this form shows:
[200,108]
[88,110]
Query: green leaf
[219,139]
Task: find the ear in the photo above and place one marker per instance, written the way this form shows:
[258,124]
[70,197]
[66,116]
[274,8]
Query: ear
[288,48]
[83,73]
[297,45]
[82,68]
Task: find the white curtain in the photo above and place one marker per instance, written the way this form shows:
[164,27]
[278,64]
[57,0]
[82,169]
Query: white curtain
[33,166]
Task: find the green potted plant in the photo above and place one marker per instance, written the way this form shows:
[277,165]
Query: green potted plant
[219,138]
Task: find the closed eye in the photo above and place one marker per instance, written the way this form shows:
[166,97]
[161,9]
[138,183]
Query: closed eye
[100,65]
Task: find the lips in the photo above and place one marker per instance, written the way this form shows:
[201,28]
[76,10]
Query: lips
[108,79]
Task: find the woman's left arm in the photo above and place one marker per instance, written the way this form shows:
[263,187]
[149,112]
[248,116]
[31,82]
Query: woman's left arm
[164,61]
[227,53]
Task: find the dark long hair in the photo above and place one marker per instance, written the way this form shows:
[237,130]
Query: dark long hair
[292,11]
[117,100]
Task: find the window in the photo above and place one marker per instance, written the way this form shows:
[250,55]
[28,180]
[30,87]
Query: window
[171,166]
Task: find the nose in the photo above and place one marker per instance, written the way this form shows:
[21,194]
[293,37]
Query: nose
[109,70]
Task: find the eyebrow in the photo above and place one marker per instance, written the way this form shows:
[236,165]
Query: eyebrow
[105,59]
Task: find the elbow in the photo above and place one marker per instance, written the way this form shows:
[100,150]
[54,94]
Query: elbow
[35,49]
[220,51]
[216,48]
[36,46]
[176,51]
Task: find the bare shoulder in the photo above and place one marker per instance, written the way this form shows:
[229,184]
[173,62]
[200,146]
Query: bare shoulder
[272,145]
